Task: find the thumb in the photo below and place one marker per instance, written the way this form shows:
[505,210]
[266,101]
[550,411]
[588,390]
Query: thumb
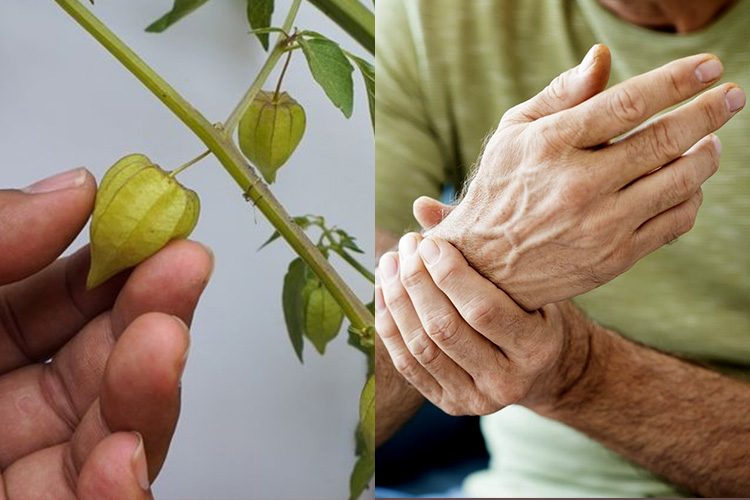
[38,223]
[430,212]
[116,469]
[568,89]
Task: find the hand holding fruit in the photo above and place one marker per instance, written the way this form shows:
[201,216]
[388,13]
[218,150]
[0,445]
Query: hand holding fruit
[96,421]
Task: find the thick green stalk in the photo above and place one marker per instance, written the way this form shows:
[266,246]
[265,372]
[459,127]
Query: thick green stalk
[221,145]
[353,17]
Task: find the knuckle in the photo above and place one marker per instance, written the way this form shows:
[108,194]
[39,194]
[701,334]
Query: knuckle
[514,391]
[481,312]
[626,105]
[451,408]
[663,143]
[576,191]
[684,182]
[547,139]
[423,350]
[673,81]
[406,366]
[710,115]
[411,277]
[443,330]
[445,272]
[558,88]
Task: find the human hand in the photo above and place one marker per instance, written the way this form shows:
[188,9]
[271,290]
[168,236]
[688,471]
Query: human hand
[464,343]
[97,420]
[556,209]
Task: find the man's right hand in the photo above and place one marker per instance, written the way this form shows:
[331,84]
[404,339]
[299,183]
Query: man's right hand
[557,207]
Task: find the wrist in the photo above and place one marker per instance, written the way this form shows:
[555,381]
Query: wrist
[576,374]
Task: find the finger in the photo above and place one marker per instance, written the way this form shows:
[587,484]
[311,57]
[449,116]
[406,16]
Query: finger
[430,212]
[140,390]
[450,377]
[440,320]
[42,404]
[484,306]
[42,312]
[566,90]
[170,281]
[667,226]
[38,223]
[400,356]
[626,105]
[672,184]
[42,475]
[116,469]
[670,135]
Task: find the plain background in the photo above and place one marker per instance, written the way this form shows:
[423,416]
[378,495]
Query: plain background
[255,422]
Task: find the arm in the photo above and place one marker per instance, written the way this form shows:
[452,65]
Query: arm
[471,350]
[683,422]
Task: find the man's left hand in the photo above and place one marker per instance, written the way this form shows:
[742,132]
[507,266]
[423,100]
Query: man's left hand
[465,344]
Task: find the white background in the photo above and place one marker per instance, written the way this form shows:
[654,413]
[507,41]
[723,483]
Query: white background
[255,423]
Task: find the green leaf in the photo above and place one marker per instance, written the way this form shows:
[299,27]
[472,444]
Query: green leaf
[332,70]
[323,315]
[180,9]
[302,221]
[348,241]
[368,74]
[367,414]
[363,472]
[364,468]
[259,13]
[293,301]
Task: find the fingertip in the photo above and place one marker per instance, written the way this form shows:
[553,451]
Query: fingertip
[388,266]
[114,469]
[430,251]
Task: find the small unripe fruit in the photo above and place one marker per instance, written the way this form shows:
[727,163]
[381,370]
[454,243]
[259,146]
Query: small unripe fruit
[270,131]
[139,209]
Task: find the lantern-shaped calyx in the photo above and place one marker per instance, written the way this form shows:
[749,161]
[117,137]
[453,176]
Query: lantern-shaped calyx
[270,131]
[139,209]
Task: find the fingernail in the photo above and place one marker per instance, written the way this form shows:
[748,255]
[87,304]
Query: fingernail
[429,250]
[735,99]
[184,358]
[379,300]
[138,462]
[717,143]
[388,267]
[408,245]
[588,60]
[210,252]
[65,180]
[709,70]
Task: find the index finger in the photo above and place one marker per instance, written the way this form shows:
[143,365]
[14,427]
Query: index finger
[626,105]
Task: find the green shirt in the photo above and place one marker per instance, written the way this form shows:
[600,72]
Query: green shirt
[447,71]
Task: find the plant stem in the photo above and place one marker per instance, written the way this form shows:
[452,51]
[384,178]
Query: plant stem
[281,76]
[221,145]
[189,164]
[355,264]
[353,17]
[278,50]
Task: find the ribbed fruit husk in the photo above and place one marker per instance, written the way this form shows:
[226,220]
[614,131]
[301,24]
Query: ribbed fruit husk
[270,131]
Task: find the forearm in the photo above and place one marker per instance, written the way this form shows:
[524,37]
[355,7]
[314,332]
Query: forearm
[682,422]
[396,401]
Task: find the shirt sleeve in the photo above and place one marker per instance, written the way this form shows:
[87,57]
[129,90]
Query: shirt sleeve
[409,159]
